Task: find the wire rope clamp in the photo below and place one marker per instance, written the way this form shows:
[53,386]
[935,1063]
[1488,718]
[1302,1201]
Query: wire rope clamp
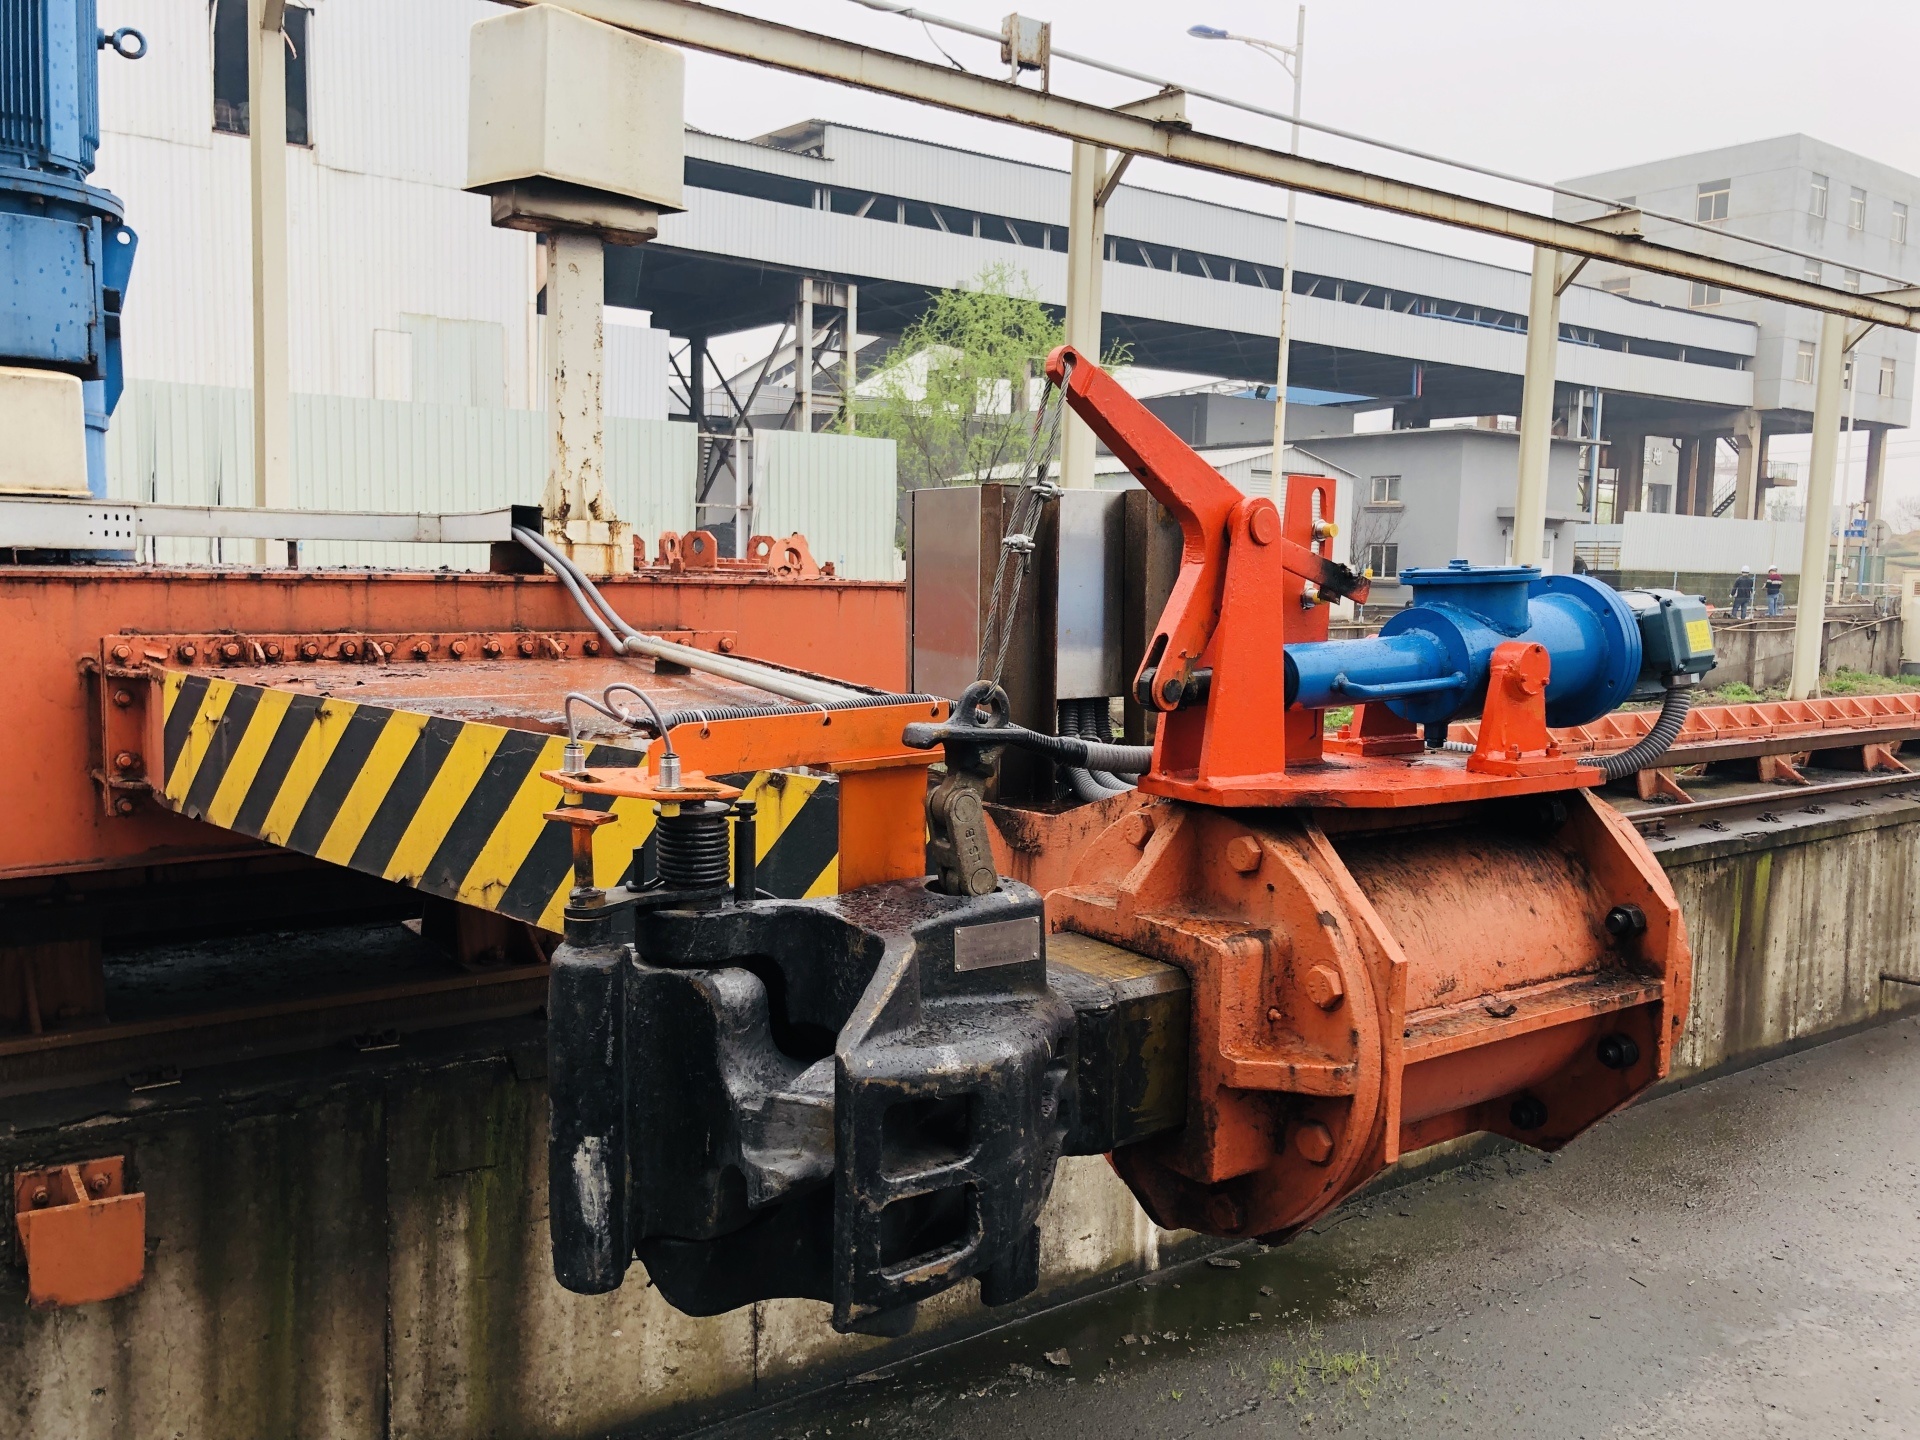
[83,1236]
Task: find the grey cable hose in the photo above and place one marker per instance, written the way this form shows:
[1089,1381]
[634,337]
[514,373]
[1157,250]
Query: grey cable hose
[1085,787]
[1090,724]
[598,612]
[1666,729]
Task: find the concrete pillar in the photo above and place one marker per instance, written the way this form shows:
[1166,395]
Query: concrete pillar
[697,381]
[803,357]
[1629,474]
[850,369]
[1747,440]
[1536,410]
[267,157]
[1876,471]
[578,514]
[1811,614]
[1086,243]
[1683,473]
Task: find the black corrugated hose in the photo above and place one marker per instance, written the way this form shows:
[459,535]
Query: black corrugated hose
[1666,729]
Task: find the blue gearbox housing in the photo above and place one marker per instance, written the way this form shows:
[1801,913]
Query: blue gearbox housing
[1430,662]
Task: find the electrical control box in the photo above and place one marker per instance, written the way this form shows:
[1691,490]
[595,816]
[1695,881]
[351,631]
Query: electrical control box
[1676,637]
[579,110]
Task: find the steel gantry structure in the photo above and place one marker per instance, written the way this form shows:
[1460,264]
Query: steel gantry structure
[1162,131]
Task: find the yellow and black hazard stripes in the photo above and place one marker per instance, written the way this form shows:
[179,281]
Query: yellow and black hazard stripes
[452,807]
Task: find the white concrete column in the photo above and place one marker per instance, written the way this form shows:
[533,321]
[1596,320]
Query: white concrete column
[1536,410]
[1876,471]
[267,158]
[1086,240]
[850,374]
[1811,614]
[578,513]
[803,359]
[1746,439]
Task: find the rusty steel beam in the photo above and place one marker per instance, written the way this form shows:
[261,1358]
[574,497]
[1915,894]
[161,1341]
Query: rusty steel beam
[825,57]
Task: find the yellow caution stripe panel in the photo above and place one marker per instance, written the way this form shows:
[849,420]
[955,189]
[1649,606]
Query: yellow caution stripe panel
[452,807]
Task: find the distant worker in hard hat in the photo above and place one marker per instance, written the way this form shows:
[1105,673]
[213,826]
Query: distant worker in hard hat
[1743,593]
[1774,586]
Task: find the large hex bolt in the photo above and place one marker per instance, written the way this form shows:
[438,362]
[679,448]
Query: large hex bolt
[1137,828]
[1619,1052]
[1243,854]
[1314,1142]
[1528,1113]
[1324,987]
[1623,922]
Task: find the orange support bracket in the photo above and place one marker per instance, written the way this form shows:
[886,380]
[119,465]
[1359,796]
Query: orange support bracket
[1513,726]
[83,1235]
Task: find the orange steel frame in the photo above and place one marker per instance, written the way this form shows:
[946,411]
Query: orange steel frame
[1242,562]
[59,709]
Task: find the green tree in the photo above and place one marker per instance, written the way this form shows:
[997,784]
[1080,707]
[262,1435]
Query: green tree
[954,396]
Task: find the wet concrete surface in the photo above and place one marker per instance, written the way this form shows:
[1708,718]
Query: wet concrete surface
[1740,1258]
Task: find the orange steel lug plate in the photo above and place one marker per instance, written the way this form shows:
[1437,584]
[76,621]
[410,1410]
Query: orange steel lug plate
[638,784]
[84,1237]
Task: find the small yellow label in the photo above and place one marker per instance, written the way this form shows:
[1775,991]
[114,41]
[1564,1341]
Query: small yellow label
[1699,636]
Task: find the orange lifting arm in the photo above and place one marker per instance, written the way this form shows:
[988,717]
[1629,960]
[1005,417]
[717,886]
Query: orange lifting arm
[1212,665]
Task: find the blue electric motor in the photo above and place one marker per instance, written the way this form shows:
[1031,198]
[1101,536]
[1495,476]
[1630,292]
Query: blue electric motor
[1430,662]
[65,251]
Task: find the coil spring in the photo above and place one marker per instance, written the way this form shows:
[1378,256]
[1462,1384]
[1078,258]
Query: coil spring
[692,846]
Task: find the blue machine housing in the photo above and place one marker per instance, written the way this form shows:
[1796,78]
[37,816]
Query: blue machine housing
[1430,662]
[65,252]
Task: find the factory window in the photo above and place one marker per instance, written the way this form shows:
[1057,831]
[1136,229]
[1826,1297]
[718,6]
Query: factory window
[1803,363]
[230,102]
[1886,377]
[1857,209]
[1383,560]
[1899,222]
[1705,294]
[1817,198]
[1850,279]
[1711,201]
[1385,490]
[1618,285]
[1813,272]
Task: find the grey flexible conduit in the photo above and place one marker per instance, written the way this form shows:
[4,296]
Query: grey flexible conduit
[601,615]
[1666,729]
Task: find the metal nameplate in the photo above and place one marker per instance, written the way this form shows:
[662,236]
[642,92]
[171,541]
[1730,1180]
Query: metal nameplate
[1004,942]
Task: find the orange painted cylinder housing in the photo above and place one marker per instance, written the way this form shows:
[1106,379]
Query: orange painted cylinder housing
[1368,983]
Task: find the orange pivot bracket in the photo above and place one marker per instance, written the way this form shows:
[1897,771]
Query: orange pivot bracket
[1513,727]
[83,1235]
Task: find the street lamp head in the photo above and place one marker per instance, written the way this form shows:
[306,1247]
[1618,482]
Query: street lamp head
[1208,32]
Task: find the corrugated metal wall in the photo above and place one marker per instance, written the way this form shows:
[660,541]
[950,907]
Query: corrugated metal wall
[837,490]
[193,445]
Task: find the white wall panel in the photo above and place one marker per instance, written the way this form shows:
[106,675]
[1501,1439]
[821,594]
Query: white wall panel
[193,445]
[1682,543]
[838,491]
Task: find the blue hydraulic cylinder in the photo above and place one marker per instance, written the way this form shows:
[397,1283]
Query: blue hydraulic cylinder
[1430,662]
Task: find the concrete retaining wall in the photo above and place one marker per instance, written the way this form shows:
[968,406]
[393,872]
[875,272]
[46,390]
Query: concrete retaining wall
[355,1246]
[1759,652]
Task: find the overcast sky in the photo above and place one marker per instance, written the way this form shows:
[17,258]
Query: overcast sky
[1542,88]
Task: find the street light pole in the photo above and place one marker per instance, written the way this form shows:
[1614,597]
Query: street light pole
[1293,59]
